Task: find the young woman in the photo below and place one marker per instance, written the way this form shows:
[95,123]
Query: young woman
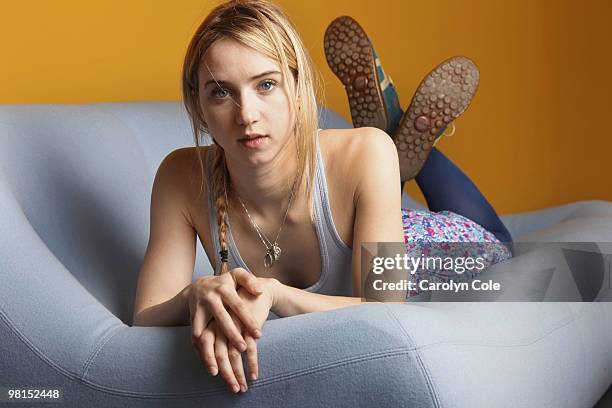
[280,207]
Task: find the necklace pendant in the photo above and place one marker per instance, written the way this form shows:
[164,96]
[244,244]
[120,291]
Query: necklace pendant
[276,251]
[272,255]
[269,260]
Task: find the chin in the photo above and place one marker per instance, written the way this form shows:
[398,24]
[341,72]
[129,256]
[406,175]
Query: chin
[255,157]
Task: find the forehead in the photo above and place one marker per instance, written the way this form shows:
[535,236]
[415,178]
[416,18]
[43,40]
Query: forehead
[228,60]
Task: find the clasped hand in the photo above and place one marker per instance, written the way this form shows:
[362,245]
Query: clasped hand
[227,313]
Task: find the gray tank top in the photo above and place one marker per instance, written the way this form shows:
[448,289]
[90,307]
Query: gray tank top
[336,276]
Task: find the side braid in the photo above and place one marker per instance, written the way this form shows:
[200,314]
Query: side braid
[220,180]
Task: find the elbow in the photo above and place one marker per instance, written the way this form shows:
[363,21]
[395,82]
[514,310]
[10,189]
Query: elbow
[135,323]
[137,320]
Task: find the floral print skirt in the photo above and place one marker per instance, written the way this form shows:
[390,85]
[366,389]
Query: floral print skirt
[433,234]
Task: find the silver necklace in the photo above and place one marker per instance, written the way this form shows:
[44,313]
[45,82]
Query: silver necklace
[273,250]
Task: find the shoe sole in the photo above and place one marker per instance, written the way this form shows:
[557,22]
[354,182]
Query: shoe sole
[349,54]
[442,97]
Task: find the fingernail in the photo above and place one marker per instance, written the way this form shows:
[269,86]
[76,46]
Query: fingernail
[257,332]
[243,388]
[259,289]
[243,347]
[235,388]
[213,370]
[253,377]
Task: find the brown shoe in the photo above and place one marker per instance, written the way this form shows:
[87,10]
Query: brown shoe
[372,96]
[440,98]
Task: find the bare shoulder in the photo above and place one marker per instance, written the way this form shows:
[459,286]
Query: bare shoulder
[356,141]
[182,161]
[354,152]
[182,169]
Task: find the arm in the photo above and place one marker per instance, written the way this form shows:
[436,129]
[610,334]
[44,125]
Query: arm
[377,219]
[290,301]
[172,312]
[169,260]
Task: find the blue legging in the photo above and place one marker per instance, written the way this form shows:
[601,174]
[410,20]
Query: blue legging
[446,187]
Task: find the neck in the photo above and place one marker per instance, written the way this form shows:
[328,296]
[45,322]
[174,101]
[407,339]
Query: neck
[265,189]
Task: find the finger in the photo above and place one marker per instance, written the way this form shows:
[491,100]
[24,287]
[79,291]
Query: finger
[251,357]
[197,324]
[227,326]
[225,368]
[197,328]
[237,305]
[208,350]
[200,319]
[235,358]
[248,281]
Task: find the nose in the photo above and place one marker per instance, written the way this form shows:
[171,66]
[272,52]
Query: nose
[247,109]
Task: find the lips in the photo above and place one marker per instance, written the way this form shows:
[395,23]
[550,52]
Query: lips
[253,141]
[252,136]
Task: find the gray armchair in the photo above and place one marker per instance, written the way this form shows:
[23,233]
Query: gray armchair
[75,183]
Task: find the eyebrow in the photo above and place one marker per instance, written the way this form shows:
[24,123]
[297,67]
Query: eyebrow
[213,81]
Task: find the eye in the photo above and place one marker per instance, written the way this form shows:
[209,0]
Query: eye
[220,93]
[267,85]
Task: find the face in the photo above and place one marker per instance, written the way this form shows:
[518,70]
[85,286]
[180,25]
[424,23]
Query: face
[242,96]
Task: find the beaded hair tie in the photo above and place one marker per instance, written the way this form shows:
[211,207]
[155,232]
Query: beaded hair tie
[223,253]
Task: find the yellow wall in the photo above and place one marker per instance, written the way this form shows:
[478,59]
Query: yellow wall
[536,134]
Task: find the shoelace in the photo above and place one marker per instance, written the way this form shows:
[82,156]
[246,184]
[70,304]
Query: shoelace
[444,133]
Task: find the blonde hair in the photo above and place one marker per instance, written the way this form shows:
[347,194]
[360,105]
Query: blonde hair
[263,26]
